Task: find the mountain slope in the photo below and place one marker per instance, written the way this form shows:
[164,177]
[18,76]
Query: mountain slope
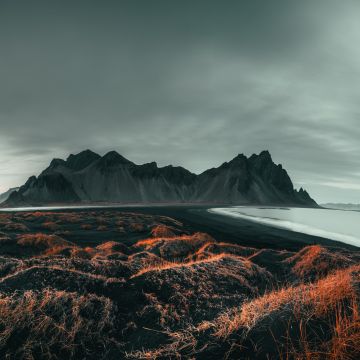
[88,177]
[4,196]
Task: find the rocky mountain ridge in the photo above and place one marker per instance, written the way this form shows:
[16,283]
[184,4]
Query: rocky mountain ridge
[88,177]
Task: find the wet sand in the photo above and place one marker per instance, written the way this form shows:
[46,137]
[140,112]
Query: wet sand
[227,229]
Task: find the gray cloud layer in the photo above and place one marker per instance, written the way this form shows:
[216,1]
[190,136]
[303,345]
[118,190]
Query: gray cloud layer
[184,82]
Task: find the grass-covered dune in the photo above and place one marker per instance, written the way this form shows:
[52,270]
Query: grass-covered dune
[116,285]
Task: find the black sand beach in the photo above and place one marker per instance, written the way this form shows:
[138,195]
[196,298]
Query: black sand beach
[238,231]
[223,228]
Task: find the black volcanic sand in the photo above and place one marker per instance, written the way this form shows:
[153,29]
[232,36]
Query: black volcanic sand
[228,229]
[168,282]
[240,231]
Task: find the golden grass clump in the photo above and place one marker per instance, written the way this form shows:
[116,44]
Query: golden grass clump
[50,225]
[234,268]
[343,343]
[15,226]
[83,253]
[112,246]
[37,214]
[162,231]
[316,261]
[166,265]
[175,248]
[56,325]
[316,299]
[69,217]
[42,241]
[330,305]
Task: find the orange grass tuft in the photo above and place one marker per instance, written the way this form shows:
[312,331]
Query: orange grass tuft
[314,300]
[162,231]
[55,324]
[317,260]
[165,265]
[42,241]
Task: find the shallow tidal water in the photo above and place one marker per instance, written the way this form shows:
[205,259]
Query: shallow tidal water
[331,224]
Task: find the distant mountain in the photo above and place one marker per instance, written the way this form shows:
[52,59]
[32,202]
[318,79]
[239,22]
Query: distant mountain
[88,177]
[342,206]
[4,196]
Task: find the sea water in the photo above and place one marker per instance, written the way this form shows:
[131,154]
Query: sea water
[331,224]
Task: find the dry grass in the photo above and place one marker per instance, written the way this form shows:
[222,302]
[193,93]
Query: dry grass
[69,218]
[344,343]
[4,218]
[184,296]
[148,243]
[305,300]
[112,246]
[39,214]
[331,303]
[317,261]
[178,248]
[14,226]
[55,325]
[50,225]
[166,265]
[42,241]
[162,231]
[83,253]
[160,264]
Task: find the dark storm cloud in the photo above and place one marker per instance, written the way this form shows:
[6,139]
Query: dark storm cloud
[191,83]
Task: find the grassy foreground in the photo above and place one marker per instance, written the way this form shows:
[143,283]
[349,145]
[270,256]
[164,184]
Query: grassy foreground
[114,285]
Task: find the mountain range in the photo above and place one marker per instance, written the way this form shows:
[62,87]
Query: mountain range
[90,178]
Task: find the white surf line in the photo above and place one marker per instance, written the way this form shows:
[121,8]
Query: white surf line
[288,225]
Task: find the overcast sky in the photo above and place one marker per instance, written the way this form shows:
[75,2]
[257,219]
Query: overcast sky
[190,83]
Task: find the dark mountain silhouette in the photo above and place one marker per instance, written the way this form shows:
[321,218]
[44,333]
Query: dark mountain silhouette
[88,177]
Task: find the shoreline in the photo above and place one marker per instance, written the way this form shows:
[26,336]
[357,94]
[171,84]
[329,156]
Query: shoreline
[99,205]
[222,228]
[241,231]
[274,219]
[197,218]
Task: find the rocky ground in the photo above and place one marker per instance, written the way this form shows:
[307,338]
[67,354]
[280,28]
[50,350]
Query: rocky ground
[113,285]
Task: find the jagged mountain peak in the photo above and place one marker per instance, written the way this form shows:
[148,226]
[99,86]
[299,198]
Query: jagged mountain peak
[260,160]
[82,160]
[240,158]
[83,154]
[264,157]
[152,165]
[57,162]
[113,158]
[265,153]
[239,161]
